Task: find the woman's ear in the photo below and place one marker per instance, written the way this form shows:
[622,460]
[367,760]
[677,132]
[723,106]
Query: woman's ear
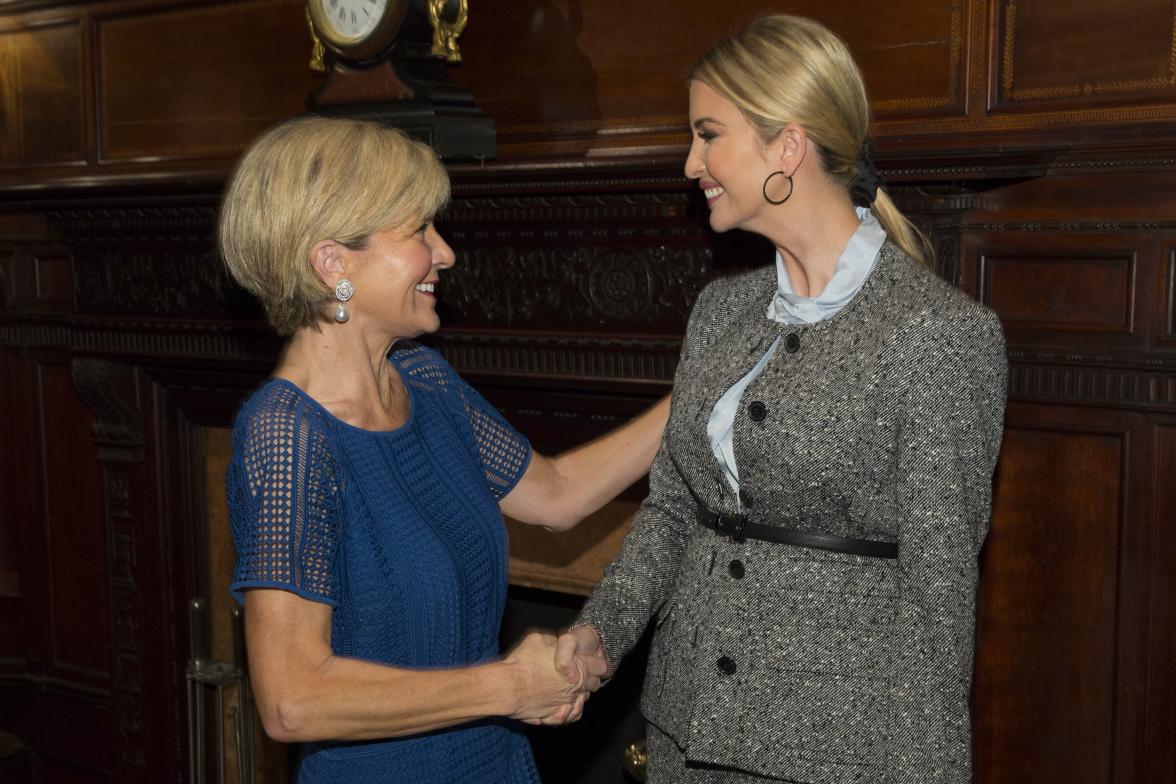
[789,148]
[326,257]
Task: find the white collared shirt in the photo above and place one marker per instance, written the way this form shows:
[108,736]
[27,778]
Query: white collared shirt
[853,267]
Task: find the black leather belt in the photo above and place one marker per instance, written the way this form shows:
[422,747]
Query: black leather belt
[738,528]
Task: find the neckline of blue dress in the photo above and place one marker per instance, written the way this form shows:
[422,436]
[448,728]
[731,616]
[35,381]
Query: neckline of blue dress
[412,407]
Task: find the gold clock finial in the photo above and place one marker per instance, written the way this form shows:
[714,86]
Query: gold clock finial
[445,33]
[316,48]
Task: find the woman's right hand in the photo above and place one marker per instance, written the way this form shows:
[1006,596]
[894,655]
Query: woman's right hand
[542,694]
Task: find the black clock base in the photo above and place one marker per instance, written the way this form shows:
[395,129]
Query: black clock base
[457,133]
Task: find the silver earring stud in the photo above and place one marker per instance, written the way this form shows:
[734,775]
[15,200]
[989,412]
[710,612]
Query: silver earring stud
[344,291]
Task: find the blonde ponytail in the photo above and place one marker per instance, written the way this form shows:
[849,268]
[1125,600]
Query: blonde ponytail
[902,232]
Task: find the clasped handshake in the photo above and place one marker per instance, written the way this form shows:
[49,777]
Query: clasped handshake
[555,676]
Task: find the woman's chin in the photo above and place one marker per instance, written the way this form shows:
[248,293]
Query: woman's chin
[719,225]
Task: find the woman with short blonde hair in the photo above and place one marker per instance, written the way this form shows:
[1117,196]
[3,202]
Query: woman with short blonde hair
[368,480]
[313,178]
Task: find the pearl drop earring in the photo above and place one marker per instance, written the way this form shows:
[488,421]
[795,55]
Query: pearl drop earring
[344,291]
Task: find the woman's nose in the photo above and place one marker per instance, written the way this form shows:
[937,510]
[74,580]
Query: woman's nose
[443,255]
[694,168]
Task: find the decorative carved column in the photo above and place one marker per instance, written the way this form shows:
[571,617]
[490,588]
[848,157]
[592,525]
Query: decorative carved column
[119,436]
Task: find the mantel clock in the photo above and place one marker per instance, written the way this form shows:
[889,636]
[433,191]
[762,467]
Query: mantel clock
[388,59]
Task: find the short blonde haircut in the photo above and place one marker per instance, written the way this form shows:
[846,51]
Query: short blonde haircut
[784,69]
[313,179]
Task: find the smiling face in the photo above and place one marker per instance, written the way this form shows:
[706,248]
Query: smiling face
[728,160]
[395,277]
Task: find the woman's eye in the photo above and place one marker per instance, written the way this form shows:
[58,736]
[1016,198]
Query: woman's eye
[706,136]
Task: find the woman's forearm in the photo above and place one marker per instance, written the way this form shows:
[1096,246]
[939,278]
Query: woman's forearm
[595,473]
[305,692]
[558,492]
[349,699]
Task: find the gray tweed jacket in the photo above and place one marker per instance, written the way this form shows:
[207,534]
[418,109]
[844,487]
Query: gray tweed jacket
[883,422]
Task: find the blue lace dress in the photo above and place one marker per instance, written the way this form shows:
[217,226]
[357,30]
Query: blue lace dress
[399,531]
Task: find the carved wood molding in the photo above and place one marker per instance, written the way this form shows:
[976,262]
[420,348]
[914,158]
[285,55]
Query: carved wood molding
[126,224]
[1070,120]
[548,180]
[1069,226]
[947,255]
[576,286]
[6,292]
[977,65]
[634,360]
[118,426]
[1141,382]
[144,339]
[119,434]
[155,282]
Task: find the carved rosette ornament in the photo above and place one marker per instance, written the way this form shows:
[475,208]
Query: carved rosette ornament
[619,286]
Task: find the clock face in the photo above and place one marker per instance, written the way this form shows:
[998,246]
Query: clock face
[351,21]
[357,30]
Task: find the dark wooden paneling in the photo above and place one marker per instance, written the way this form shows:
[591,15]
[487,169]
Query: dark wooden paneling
[72,502]
[42,95]
[913,58]
[21,530]
[199,82]
[569,70]
[54,280]
[1068,294]
[1056,526]
[1167,292]
[1159,741]
[63,772]
[13,642]
[9,533]
[1059,54]
[181,87]
[1131,196]
[1065,286]
[67,727]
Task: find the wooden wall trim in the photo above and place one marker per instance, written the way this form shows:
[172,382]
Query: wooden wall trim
[959,78]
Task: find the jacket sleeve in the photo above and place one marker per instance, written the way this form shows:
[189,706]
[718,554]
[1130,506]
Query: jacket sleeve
[948,444]
[638,583]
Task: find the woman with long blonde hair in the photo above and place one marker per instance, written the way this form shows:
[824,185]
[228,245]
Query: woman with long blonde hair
[809,545]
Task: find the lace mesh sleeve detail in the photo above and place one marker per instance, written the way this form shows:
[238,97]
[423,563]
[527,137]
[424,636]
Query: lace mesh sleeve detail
[504,452]
[283,498]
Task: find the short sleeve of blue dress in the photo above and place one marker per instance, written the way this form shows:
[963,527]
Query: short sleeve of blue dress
[503,452]
[283,496]
[400,532]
